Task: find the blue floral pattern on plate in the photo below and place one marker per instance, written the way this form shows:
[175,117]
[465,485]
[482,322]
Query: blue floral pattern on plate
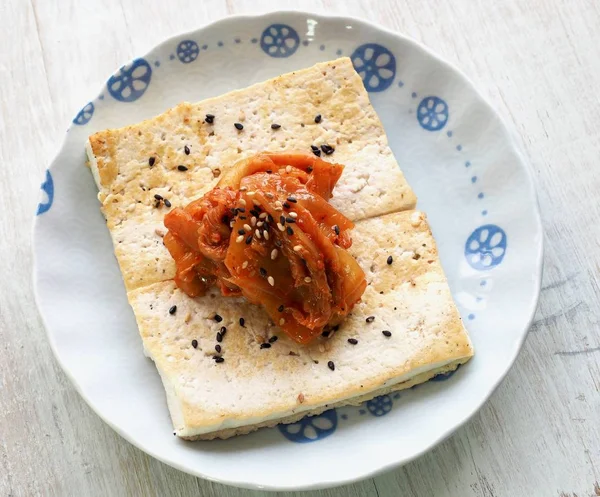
[187,51]
[486,247]
[84,115]
[380,406]
[131,81]
[279,40]
[311,428]
[432,113]
[48,189]
[376,65]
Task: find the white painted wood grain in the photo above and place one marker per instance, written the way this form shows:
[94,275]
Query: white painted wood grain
[538,61]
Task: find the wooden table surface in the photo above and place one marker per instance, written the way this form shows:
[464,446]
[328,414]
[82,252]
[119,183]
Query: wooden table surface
[537,60]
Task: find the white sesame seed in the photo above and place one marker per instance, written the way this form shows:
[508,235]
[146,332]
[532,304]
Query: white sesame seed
[263,215]
[231,224]
[253,221]
[243,188]
[245,265]
[281,227]
[281,321]
[271,280]
[288,169]
[279,208]
[257,233]
[242,202]
[293,214]
[160,232]
[240,239]
[259,224]
[269,195]
[255,202]
[278,203]
[266,235]
[247,227]
[308,279]
[274,253]
[251,194]
[297,248]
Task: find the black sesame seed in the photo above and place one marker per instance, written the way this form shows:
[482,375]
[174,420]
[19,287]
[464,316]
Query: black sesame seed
[240,209]
[286,205]
[173,310]
[225,219]
[269,218]
[218,348]
[331,365]
[275,126]
[263,271]
[265,345]
[290,220]
[242,321]
[239,126]
[282,219]
[182,168]
[254,212]
[292,199]
[223,330]
[158,197]
[273,339]
[195,343]
[370,319]
[314,148]
[289,231]
[353,341]
[186,149]
[390,259]
[327,150]
[325,334]
[317,152]
[167,203]
[219,359]
[318,118]
[309,169]
[218,318]
[268,171]
[242,231]
[249,240]
[279,243]
[151,161]
[210,118]
[219,337]
[336,228]
[281,308]
[387,333]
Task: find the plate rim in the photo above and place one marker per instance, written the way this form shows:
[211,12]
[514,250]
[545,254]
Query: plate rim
[516,147]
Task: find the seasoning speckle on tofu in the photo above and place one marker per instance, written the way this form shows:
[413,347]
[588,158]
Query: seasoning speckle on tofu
[331,365]
[173,310]
[195,343]
[239,126]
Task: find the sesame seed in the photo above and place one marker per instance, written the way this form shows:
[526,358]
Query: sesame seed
[286,205]
[387,333]
[275,126]
[195,343]
[314,148]
[151,161]
[297,248]
[158,197]
[281,321]
[318,118]
[279,243]
[327,150]
[253,220]
[266,233]
[219,359]
[260,223]
[271,280]
[288,169]
[247,227]
[278,203]
[239,126]
[268,171]
[241,209]
[336,228]
[251,194]
[281,227]
[242,321]
[294,215]
[307,279]
[370,319]
[331,365]
[262,271]
[209,118]
[353,341]
[239,239]
[263,215]
[218,348]
[282,219]
[257,234]
[316,151]
[186,149]
[290,220]
[274,253]
[223,330]
[167,203]
[325,334]
[173,310]
[249,240]
[219,337]
[265,345]
[182,168]
[292,199]
[273,339]
[243,188]
[242,202]
[290,231]
[245,265]
[281,308]
[242,232]
[218,318]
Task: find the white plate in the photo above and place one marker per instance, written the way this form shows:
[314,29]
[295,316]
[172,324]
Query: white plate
[457,155]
